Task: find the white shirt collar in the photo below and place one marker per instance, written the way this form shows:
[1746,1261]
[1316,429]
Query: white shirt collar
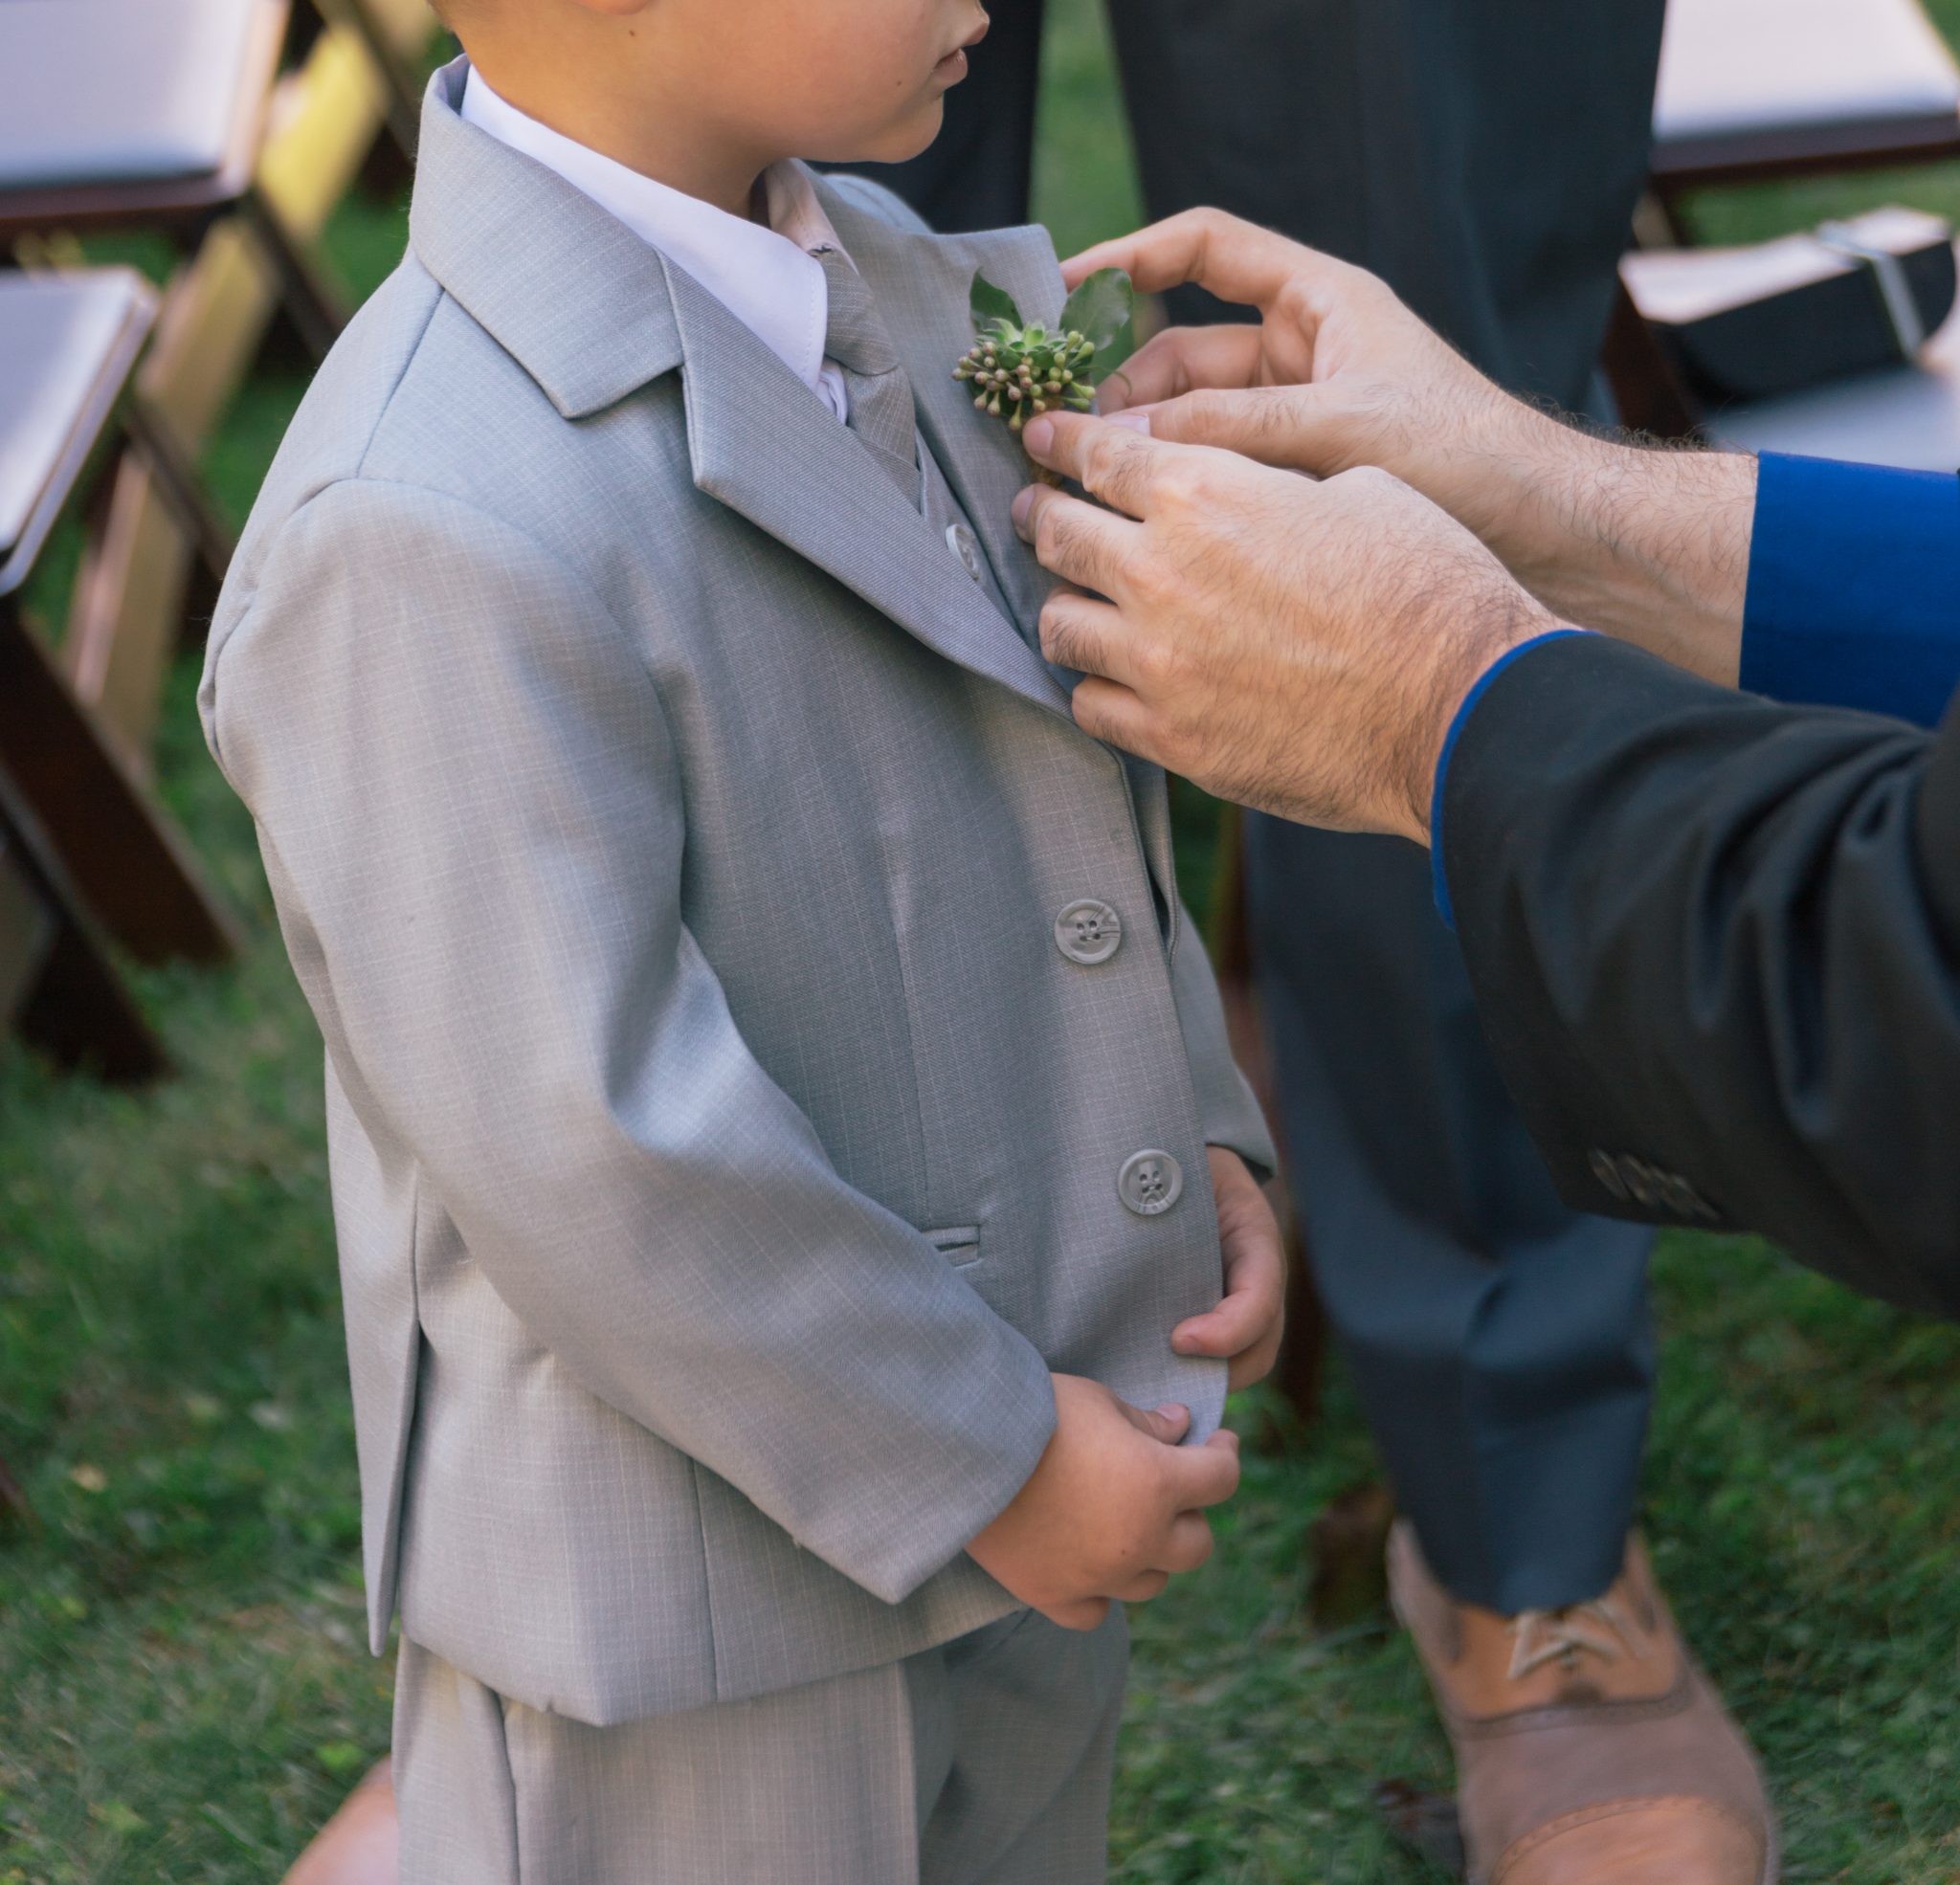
[766,277]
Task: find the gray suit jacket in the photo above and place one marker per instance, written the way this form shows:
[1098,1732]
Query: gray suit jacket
[669,835]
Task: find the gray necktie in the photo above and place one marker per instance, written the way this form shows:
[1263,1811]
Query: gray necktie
[880,395]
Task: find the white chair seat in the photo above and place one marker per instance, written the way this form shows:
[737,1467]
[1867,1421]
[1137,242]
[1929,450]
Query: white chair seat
[1907,416]
[97,91]
[1743,68]
[61,335]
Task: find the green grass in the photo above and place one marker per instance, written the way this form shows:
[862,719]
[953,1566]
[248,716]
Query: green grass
[183,1691]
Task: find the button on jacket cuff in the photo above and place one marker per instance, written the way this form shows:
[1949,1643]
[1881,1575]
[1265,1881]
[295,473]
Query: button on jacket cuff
[1854,588]
[1439,877]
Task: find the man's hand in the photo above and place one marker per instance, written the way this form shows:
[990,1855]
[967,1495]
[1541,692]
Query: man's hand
[1295,646]
[1114,1508]
[1651,545]
[1245,1329]
[1336,373]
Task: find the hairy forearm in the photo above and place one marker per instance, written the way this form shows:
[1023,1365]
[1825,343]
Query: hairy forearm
[1650,544]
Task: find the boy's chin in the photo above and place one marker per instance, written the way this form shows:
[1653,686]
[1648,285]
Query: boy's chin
[901,142]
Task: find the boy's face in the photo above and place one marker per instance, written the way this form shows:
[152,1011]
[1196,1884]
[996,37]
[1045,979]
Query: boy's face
[837,81]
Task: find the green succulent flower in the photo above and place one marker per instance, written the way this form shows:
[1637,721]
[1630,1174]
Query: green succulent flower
[1019,368]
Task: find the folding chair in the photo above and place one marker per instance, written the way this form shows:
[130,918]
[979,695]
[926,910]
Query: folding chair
[1758,89]
[119,115]
[67,347]
[84,845]
[1763,88]
[1906,415]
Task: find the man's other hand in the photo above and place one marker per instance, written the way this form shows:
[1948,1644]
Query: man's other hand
[1114,1509]
[1296,646]
[1245,1329]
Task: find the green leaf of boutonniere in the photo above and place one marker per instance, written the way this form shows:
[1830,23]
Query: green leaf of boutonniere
[1020,368]
[1100,308]
[992,304]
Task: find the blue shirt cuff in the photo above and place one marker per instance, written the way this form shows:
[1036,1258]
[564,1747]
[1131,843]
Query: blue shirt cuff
[1439,875]
[1854,588]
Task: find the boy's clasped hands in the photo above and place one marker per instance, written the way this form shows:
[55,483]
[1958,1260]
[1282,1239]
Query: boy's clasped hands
[1117,1504]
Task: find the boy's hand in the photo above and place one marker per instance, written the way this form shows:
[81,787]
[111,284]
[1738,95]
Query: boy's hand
[1112,1509]
[1245,1329]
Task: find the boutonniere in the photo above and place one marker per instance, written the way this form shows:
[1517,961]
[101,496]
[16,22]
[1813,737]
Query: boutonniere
[1021,368]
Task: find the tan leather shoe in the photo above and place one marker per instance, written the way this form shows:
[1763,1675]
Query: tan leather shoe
[361,1845]
[1590,1750]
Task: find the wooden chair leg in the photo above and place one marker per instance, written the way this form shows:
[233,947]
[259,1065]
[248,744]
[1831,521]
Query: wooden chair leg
[132,868]
[183,490]
[311,302]
[1670,206]
[399,80]
[73,1007]
[1645,387]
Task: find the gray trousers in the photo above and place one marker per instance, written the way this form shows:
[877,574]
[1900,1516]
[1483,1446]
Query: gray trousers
[985,1761]
[1483,156]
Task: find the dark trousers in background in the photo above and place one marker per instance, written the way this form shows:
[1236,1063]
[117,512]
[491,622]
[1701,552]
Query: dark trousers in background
[1484,157]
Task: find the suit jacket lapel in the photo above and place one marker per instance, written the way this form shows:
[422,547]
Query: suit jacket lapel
[926,279]
[569,291]
[764,444]
[594,313]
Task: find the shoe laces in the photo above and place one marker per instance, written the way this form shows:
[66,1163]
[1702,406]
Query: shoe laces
[1563,1635]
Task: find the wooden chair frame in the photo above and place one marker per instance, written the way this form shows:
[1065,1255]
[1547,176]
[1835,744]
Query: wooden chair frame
[134,872]
[1823,150]
[401,82]
[185,208]
[1651,397]
[62,994]
[1647,392]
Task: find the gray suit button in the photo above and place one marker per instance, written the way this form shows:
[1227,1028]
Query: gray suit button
[1088,932]
[960,541]
[1150,1183]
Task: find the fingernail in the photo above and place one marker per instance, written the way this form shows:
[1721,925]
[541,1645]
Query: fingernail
[1040,435]
[1173,1411]
[1023,503]
[1132,422]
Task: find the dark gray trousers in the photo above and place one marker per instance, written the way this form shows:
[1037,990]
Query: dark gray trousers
[1484,157]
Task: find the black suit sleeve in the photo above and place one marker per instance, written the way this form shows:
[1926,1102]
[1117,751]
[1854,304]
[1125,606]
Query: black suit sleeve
[1716,946]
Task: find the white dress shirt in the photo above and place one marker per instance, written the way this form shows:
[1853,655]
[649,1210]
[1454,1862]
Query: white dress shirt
[766,277]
